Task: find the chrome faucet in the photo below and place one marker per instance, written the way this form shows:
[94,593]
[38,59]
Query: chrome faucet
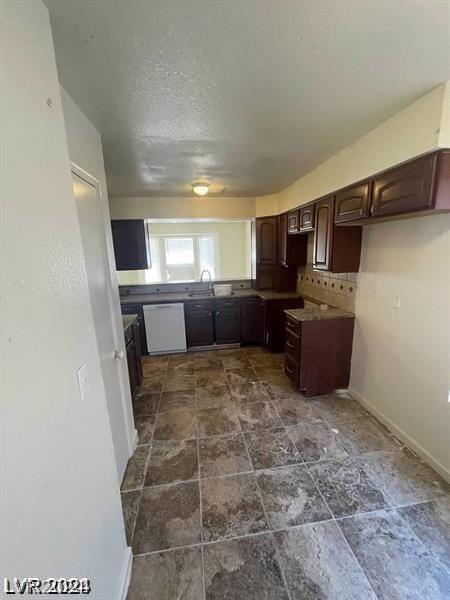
[210,280]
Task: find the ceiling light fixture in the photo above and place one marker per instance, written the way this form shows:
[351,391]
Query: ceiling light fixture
[201,189]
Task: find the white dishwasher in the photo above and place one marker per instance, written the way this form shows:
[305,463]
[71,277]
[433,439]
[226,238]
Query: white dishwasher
[164,327]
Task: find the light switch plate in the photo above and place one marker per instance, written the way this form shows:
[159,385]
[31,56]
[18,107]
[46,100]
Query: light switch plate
[396,301]
[83,380]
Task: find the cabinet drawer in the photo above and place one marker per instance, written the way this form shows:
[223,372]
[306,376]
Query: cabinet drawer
[292,325]
[292,345]
[199,305]
[291,370]
[131,309]
[292,221]
[227,303]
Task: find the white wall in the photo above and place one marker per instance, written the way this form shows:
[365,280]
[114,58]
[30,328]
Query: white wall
[85,150]
[182,208]
[61,512]
[401,356]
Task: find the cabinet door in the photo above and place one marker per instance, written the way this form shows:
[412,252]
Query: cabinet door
[199,327]
[252,319]
[136,309]
[282,239]
[130,244]
[323,234]
[266,241]
[266,277]
[352,204]
[306,218]
[132,367]
[292,221]
[405,189]
[228,325]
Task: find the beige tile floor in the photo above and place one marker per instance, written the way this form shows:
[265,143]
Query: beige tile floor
[242,489]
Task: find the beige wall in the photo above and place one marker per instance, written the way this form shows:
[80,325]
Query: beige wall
[182,208]
[401,357]
[233,241]
[266,205]
[412,131]
[400,365]
[61,512]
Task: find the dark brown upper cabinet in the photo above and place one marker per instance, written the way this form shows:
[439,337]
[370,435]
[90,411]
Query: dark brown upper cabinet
[405,189]
[352,203]
[335,249]
[130,244]
[266,241]
[323,235]
[292,248]
[293,221]
[306,219]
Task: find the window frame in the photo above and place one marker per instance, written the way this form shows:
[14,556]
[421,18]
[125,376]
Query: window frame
[163,267]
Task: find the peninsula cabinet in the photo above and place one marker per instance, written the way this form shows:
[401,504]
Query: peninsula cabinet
[335,248]
[352,203]
[318,354]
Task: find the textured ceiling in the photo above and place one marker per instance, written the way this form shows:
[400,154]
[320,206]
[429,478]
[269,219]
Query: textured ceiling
[247,95]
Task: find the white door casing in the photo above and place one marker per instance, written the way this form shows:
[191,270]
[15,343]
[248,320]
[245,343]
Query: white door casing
[111,347]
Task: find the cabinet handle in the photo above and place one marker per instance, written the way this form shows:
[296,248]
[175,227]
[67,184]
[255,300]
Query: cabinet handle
[217,312]
[289,370]
[209,314]
[289,344]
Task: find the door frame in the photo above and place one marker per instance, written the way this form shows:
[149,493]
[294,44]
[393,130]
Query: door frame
[115,318]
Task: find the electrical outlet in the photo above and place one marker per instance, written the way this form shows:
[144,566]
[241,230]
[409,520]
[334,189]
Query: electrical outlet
[396,301]
[83,380]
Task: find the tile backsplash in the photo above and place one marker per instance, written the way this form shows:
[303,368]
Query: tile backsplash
[335,289]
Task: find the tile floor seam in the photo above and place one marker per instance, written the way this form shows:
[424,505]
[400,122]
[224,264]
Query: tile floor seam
[341,533]
[356,559]
[200,502]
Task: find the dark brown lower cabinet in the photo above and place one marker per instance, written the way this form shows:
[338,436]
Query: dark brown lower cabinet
[318,354]
[136,309]
[199,324]
[134,361]
[227,320]
[252,320]
[275,322]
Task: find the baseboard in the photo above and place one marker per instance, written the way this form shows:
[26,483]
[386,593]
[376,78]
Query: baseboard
[125,576]
[135,440]
[402,435]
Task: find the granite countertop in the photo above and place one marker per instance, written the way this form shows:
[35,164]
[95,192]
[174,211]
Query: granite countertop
[162,297]
[128,320]
[316,314]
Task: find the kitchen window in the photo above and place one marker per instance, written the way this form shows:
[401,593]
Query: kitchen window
[182,258]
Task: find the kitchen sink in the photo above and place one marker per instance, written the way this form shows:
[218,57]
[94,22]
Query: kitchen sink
[201,294]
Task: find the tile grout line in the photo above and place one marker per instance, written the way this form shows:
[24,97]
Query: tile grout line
[268,522]
[340,531]
[200,499]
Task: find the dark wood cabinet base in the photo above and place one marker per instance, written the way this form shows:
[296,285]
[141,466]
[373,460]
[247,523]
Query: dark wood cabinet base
[318,355]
